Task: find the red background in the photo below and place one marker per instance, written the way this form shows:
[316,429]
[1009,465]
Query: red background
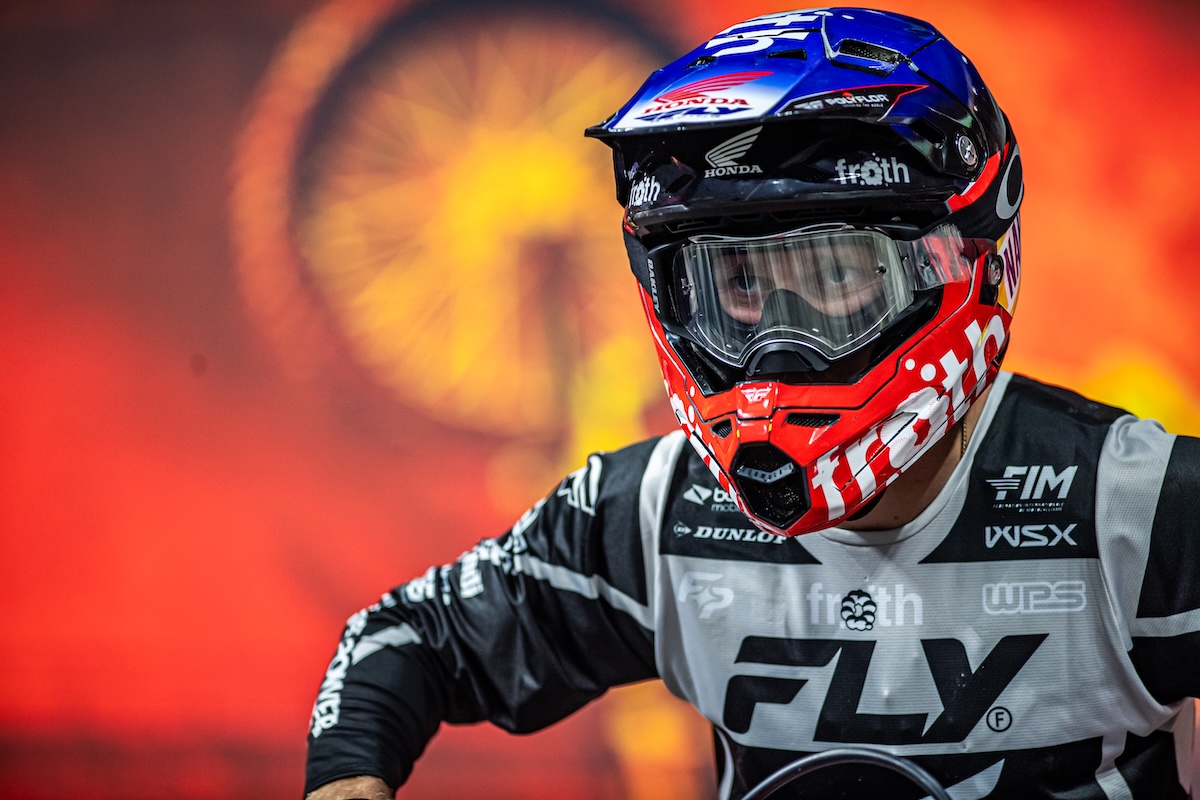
[184,528]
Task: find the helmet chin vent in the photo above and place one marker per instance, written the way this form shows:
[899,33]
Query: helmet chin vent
[812,420]
[773,486]
[722,428]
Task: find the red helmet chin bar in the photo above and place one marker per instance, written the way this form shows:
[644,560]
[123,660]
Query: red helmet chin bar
[800,458]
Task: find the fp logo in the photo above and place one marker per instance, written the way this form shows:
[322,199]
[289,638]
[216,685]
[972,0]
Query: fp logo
[700,586]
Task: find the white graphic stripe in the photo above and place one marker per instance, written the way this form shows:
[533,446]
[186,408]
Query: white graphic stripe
[388,637]
[1174,625]
[1111,781]
[652,504]
[978,786]
[593,587]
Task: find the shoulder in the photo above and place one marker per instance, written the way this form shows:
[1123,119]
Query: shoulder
[616,477]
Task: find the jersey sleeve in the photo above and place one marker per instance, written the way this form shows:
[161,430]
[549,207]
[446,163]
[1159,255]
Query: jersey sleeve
[1150,491]
[521,630]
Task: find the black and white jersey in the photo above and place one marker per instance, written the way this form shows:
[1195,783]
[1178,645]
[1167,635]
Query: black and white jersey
[1034,633]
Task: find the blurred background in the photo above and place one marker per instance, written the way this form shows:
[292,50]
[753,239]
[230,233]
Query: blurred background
[298,298]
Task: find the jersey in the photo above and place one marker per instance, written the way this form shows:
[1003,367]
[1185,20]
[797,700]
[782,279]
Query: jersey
[1033,633]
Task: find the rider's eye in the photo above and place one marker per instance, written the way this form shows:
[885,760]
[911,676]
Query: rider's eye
[746,283]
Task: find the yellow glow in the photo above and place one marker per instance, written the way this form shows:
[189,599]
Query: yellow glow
[465,237]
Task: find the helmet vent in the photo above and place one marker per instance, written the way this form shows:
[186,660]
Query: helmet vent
[722,428]
[773,486]
[812,420]
[869,52]
[800,54]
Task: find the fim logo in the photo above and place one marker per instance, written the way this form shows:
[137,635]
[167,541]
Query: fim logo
[1033,488]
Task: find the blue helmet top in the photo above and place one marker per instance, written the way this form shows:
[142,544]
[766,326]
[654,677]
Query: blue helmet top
[845,110]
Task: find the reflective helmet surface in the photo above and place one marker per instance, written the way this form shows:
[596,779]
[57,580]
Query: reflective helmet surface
[821,209]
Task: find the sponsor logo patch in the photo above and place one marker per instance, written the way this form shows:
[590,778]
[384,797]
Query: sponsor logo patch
[644,192]
[1040,487]
[703,588]
[724,157]
[1037,597]
[722,501]
[864,609]
[1028,535]
[872,172]
[869,101]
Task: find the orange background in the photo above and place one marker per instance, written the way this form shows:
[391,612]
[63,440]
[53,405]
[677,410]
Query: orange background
[186,519]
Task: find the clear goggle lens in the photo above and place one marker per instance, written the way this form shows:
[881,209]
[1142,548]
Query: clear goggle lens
[833,288]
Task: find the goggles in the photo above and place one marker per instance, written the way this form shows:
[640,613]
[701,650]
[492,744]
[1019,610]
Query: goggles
[833,288]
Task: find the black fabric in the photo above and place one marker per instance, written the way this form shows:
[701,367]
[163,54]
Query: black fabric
[703,521]
[1148,764]
[1172,584]
[1066,771]
[1040,437]
[1160,663]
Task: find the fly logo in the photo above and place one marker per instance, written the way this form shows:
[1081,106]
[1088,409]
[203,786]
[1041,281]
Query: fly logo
[701,587]
[724,160]
[1038,597]
[1028,535]
[1039,487]
[842,666]
[756,394]
[872,172]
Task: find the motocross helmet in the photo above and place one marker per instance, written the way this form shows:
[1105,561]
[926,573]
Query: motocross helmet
[821,209]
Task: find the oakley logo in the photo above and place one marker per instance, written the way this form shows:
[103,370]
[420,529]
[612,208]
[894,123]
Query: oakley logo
[1039,597]
[724,157]
[1006,208]
[1028,535]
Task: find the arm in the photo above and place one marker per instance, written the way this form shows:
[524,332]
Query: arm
[521,630]
[359,788]
[1165,626]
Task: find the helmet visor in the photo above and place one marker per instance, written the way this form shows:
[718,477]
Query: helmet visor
[833,288]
